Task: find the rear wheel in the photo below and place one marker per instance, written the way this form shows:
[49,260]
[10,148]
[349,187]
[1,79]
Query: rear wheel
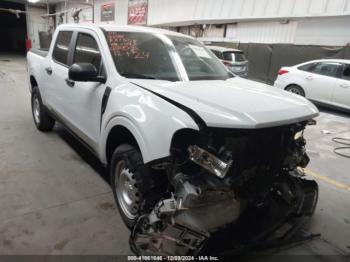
[42,120]
[295,89]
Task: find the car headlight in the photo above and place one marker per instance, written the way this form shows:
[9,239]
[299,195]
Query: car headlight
[298,135]
[208,161]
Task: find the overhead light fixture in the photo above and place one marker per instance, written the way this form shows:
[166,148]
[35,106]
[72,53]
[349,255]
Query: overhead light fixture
[33,1]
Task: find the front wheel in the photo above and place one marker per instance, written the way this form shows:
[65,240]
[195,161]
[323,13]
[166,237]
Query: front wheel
[125,182]
[295,89]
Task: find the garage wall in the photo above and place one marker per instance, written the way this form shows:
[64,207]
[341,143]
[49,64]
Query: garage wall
[330,31]
[188,12]
[85,14]
[207,11]
[266,32]
[120,10]
[275,28]
[215,31]
[327,31]
[36,24]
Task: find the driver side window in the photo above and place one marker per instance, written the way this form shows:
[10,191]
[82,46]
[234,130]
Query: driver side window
[87,51]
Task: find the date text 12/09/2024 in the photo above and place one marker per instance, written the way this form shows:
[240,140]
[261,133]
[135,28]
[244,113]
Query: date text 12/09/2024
[173,258]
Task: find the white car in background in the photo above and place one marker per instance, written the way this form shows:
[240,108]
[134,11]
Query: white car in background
[324,81]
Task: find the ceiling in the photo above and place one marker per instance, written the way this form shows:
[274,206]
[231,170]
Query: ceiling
[41,2]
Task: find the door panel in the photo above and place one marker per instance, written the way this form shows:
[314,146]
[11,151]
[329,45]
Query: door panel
[320,88]
[58,103]
[83,99]
[342,88]
[321,81]
[56,71]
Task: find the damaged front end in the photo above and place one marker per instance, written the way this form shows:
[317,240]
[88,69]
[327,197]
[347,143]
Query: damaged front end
[227,190]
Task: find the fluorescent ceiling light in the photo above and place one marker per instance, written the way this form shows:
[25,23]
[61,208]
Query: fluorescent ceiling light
[33,1]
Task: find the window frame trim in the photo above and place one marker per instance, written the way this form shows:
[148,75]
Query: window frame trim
[69,48]
[344,65]
[74,45]
[313,64]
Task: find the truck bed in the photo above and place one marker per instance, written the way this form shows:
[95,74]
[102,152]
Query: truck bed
[40,52]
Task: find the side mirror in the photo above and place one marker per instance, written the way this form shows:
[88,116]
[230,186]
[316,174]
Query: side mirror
[85,72]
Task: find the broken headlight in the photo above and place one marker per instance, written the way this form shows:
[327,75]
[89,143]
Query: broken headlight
[208,161]
[298,135]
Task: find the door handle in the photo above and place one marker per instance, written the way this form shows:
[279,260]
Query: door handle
[70,82]
[344,85]
[48,70]
[309,78]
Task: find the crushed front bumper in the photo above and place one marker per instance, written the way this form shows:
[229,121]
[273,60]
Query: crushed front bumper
[275,224]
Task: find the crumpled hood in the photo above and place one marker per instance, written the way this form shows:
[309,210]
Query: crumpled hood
[236,102]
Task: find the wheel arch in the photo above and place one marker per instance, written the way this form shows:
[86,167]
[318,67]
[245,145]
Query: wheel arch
[295,84]
[33,82]
[117,136]
[120,130]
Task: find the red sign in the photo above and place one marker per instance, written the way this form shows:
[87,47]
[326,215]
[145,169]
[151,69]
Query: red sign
[107,12]
[137,12]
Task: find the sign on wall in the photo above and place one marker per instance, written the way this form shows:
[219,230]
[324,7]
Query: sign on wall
[137,12]
[107,12]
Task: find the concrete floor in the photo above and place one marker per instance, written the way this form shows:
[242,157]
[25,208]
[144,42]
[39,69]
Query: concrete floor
[55,198]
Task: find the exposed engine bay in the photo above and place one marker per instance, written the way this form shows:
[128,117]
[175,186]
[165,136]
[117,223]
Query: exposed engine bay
[225,190]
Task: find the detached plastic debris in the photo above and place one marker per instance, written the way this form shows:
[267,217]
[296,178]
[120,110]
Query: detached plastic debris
[326,132]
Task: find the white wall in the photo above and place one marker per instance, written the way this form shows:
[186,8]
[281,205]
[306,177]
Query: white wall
[332,31]
[257,32]
[184,12]
[324,31]
[35,24]
[121,11]
[259,21]
[266,32]
[85,15]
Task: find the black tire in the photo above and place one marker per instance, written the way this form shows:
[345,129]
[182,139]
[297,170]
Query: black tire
[42,120]
[295,89]
[126,166]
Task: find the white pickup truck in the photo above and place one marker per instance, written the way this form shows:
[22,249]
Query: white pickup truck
[200,160]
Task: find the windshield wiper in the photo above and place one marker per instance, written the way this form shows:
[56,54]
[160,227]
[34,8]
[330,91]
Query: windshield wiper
[135,75]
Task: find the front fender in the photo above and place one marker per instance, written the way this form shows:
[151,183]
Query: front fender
[152,120]
[128,124]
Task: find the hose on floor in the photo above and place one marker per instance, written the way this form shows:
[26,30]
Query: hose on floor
[340,150]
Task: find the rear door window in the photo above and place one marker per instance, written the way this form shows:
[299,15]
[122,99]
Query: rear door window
[234,56]
[346,72]
[217,53]
[87,51]
[61,49]
[307,67]
[327,69]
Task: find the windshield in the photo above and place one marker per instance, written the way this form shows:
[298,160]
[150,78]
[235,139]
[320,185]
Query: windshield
[234,56]
[173,58]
